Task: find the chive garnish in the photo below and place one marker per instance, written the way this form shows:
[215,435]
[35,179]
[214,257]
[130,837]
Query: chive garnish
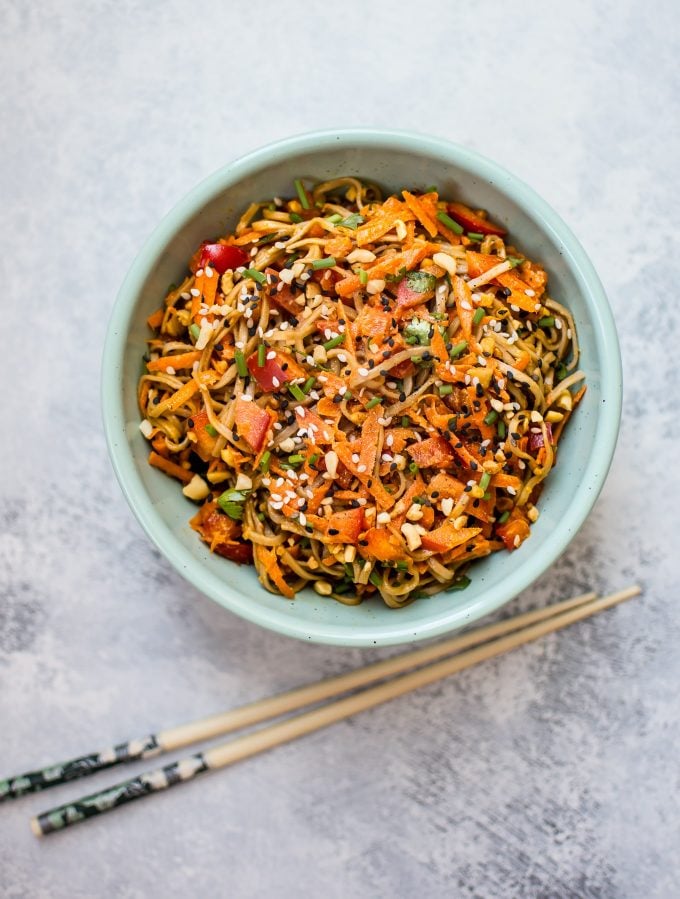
[479,315]
[302,194]
[485,480]
[261,355]
[514,261]
[363,276]
[211,430]
[504,517]
[309,383]
[194,330]
[372,403]
[460,583]
[413,468]
[561,371]
[500,429]
[375,579]
[241,366]
[296,391]
[402,566]
[334,219]
[295,218]
[490,417]
[328,262]
[473,235]
[253,273]
[405,421]
[314,458]
[457,349]
[333,342]
[445,389]
[449,222]
[548,321]
[264,461]
[296,459]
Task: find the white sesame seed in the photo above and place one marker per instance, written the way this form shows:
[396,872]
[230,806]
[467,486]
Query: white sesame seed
[465,305]
[530,293]
[302,519]
[364,372]
[361,468]
[246,397]
[195,292]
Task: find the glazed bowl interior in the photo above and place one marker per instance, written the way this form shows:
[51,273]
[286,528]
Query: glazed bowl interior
[395,161]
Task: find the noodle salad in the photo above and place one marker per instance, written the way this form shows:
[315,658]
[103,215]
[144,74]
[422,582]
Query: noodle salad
[361,394]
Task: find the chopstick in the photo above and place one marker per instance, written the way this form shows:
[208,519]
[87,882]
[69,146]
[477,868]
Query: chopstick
[291,728]
[271,707]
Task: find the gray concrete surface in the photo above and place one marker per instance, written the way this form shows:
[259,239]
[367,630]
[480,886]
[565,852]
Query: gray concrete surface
[552,772]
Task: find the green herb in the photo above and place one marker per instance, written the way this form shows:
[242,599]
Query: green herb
[241,366]
[420,282]
[211,430]
[417,331]
[514,261]
[504,517]
[314,458]
[264,461]
[328,262]
[473,235]
[231,502]
[269,238]
[405,421]
[261,355]
[372,403]
[352,221]
[561,372]
[500,429]
[347,395]
[334,219]
[194,330]
[296,459]
[261,516]
[349,570]
[294,217]
[333,342]
[486,497]
[460,583]
[398,276]
[485,480]
[413,468]
[445,389]
[457,349]
[309,383]
[375,579]
[449,222]
[302,194]
[363,276]
[479,315]
[291,259]
[491,417]
[296,391]
[548,321]
[402,566]
[260,277]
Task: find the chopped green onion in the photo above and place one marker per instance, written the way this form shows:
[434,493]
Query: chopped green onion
[194,330]
[561,372]
[347,395]
[491,417]
[294,217]
[363,276]
[211,430]
[302,194]
[405,421]
[314,458]
[500,429]
[372,403]
[253,273]
[457,349]
[352,221]
[309,383]
[296,459]
[291,259]
[402,566]
[449,222]
[261,355]
[473,235]
[269,238]
[296,391]
[548,321]
[413,468]
[445,389]
[334,219]
[335,341]
[261,516]
[328,262]
[479,315]
[460,583]
[349,570]
[514,261]
[375,579]
[432,189]
[504,517]
[485,480]
[264,461]
[241,366]
[231,502]
[486,497]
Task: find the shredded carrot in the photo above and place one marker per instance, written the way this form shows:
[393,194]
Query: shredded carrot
[178,361]
[423,209]
[169,467]
[155,320]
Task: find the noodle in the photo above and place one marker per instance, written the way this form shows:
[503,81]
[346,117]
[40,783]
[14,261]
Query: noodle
[363,395]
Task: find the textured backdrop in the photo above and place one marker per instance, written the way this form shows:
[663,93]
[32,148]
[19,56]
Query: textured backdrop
[552,772]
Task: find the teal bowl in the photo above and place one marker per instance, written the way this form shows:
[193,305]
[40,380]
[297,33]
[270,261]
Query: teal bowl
[395,160]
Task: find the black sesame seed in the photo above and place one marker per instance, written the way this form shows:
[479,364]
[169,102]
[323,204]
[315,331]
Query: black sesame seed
[333,532]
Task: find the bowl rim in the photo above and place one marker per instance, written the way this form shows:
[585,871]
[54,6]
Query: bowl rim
[379,633]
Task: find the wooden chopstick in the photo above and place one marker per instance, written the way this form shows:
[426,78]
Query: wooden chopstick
[271,707]
[291,728]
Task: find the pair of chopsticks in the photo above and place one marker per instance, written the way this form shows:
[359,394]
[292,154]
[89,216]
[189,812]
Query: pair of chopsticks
[436,661]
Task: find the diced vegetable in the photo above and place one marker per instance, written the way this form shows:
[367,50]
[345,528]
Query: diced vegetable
[275,372]
[470,221]
[252,423]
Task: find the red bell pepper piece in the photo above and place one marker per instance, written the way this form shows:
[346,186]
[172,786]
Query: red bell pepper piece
[435,452]
[473,222]
[515,526]
[252,423]
[221,533]
[414,288]
[241,553]
[536,440]
[271,376]
[282,295]
[220,256]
